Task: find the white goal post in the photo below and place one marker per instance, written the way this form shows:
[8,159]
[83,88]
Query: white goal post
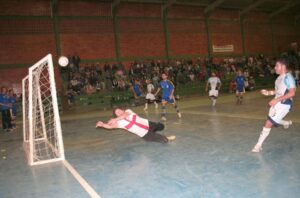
[42,132]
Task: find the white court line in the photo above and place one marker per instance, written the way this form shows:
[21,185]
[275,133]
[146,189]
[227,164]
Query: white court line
[82,181]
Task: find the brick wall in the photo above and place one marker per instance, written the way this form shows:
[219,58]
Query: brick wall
[225,29]
[258,33]
[142,34]
[141,31]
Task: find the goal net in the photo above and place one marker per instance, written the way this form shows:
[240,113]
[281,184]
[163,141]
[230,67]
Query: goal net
[41,122]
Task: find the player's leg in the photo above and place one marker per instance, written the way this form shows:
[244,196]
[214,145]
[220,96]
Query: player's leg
[237,95]
[213,100]
[286,123]
[163,109]
[146,104]
[155,137]
[263,135]
[156,104]
[276,114]
[174,103]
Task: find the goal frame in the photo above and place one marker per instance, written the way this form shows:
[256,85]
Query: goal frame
[29,141]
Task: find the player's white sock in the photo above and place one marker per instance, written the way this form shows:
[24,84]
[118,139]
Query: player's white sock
[156,105]
[263,135]
[146,106]
[214,102]
[286,124]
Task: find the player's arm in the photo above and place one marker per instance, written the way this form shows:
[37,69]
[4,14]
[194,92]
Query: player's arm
[219,85]
[101,124]
[206,87]
[267,92]
[158,90]
[289,95]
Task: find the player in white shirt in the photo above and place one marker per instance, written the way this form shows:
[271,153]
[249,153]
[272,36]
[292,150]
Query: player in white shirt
[150,96]
[214,83]
[137,125]
[284,92]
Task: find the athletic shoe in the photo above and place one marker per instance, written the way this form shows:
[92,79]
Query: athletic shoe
[179,115]
[286,126]
[163,118]
[257,149]
[171,138]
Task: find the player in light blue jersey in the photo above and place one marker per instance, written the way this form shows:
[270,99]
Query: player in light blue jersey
[285,88]
[167,88]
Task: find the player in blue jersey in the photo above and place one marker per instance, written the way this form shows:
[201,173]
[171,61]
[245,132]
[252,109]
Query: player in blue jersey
[167,88]
[285,88]
[13,108]
[137,92]
[5,110]
[240,87]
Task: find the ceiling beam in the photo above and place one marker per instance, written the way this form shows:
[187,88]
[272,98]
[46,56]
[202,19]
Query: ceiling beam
[290,4]
[212,6]
[251,7]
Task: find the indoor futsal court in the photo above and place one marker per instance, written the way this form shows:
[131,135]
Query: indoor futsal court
[211,157]
[149,98]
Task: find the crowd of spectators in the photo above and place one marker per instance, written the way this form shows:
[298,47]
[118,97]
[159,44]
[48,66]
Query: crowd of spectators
[90,78]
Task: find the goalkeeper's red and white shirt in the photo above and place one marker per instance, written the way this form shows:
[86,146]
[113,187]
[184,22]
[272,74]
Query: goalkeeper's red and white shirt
[134,124]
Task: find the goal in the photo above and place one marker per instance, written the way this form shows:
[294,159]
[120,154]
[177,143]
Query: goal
[41,122]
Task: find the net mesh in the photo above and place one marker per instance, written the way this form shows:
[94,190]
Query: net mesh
[41,123]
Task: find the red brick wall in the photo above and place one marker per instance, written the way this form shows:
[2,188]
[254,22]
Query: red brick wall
[25,40]
[89,38]
[258,34]
[187,37]
[225,29]
[139,10]
[186,12]
[187,33]
[30,8]
[285,32]
[83,8]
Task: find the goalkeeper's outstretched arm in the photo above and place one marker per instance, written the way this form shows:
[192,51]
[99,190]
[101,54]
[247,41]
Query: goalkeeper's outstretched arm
[106,125]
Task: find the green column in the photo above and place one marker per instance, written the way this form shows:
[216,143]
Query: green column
[274,44]
[242,20]
[56,27]
[166,33]
[209,44]
[116,33]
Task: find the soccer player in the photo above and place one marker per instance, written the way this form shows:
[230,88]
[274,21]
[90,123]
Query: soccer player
[167,96]
[240,87]
[136,92]
[13,107]
[279,106]
[150,96]
[142,127]
[214,83]
[5,110]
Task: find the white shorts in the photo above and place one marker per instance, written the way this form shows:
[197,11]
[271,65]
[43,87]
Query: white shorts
[150,96]
[213,92]
[278,112]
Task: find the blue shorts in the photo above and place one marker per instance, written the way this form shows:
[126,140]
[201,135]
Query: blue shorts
[167,99]
[240,90]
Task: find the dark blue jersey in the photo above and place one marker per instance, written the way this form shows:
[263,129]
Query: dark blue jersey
[167,87]
[136,89]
